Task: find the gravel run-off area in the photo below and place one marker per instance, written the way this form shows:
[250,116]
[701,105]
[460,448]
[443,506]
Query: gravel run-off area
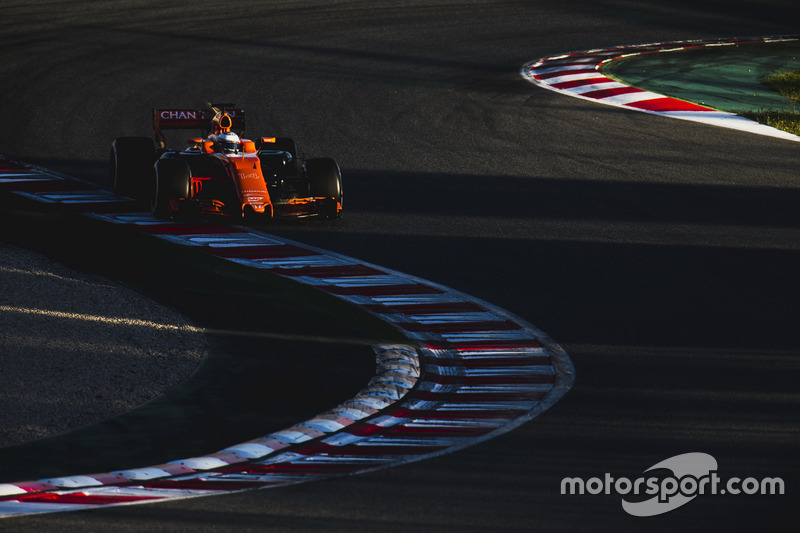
[76,349]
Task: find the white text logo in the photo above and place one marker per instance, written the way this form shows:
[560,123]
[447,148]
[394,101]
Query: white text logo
[179,115]
[693,474]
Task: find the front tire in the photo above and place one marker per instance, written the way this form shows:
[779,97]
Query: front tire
[173,181]
[131,166]
[325,180]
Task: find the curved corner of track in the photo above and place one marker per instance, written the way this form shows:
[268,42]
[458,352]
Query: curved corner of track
[469,371]
[578,74]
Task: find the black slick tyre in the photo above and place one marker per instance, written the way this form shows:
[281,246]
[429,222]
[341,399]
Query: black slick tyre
[131,166]
[173,181]
[325,180]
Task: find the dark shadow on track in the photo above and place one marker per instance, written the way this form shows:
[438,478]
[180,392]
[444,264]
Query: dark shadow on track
[573,198]
[279,352]
[543,197]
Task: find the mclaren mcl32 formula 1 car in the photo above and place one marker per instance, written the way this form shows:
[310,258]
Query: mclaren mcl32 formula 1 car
[222,173]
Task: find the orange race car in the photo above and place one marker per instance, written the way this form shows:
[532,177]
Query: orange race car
[222,173]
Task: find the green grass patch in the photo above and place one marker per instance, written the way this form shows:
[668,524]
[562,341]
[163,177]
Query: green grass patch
[786,84]
[783,120]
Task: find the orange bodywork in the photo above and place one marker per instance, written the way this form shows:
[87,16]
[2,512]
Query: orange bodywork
[301,207]
[244,170]
[248,180]
[227,179]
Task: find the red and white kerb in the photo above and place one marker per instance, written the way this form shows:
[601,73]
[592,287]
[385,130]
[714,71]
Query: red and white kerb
[468,372]
[578,74]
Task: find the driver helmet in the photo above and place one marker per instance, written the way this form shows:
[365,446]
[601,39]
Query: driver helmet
[229,142]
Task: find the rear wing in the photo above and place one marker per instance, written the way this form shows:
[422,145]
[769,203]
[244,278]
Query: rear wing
[200,119]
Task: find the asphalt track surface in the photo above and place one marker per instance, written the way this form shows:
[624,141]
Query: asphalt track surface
[662,255]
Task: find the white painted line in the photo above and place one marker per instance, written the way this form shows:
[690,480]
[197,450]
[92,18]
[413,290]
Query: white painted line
[630,98]
[73,481]
[19,508]
[563,67]
[201,463]
[366,281]
[488,335]
[301,262]
[574,77]
[250,450]
[595,87]
[143,474]
[8,489]
[448,318]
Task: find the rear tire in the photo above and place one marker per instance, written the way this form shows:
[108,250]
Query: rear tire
[325,179]
[131,166]
[173,181]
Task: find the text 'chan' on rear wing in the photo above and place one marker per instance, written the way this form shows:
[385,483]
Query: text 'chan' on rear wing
[184,119]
